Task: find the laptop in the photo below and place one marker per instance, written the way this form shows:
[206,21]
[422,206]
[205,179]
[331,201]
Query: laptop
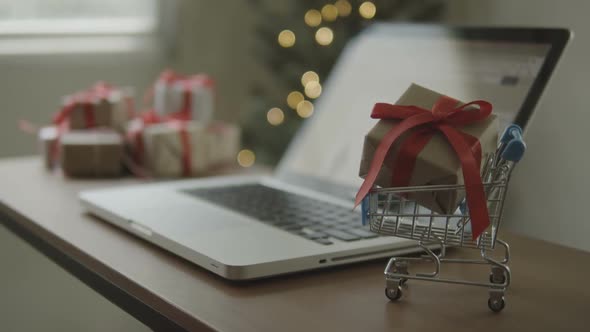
[301,217]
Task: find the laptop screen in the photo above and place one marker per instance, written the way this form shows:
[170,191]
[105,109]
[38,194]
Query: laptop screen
[379,66]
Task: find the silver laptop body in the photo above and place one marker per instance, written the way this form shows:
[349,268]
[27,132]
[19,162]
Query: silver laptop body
[300,218]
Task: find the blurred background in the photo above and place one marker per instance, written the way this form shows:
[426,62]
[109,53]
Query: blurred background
[266,56]
[269,58]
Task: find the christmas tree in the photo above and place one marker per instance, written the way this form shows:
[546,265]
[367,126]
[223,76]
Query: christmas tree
[299,48]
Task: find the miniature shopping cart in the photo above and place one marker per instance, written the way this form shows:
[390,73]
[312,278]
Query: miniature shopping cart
[389,211]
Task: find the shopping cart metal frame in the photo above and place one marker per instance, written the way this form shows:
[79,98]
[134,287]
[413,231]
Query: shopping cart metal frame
[393,212]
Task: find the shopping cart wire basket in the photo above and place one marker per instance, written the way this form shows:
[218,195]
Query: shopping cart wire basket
[393,212]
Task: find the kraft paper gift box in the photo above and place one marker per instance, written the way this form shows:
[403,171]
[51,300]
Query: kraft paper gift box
[196,96]
[91,153]
[111,110]
[437,163]
[165,149]
[48,137]
[223,143]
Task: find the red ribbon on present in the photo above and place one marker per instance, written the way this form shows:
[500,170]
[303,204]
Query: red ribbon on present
[187,98]
[85,99]
[168,77]
[89,111]
[444,117]
[185,143]
[177,121]
[187,89]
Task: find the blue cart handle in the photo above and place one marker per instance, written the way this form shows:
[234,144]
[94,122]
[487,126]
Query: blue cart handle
[365,210]
[514,150]
[511,132]
[512,145]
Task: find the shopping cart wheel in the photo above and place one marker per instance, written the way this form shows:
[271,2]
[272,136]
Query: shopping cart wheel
[497,276]
[495,279]
[393,294]
[496,304]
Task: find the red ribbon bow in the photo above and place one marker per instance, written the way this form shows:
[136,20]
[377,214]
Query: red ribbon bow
[444,118]
[185,143]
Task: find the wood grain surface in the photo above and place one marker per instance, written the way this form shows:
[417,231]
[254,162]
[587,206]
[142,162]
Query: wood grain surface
[549,288]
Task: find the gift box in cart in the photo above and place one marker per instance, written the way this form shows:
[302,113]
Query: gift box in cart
[392,211]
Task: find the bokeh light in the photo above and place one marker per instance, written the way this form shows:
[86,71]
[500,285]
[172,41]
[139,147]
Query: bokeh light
[324,36]
[313,18]
[305,109]
[275,116]
[313,89]
[309,76]
[344,7]
[246,158]
[294,98]
[367,10]
[286,38]
[329,13]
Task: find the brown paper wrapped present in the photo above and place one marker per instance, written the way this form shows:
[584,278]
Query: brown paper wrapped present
[223,143]
[91,153]
[100,106]
[174,149]
[437,163]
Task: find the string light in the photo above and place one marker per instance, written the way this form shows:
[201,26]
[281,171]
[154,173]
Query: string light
[309,76]
[344,7]
[329,13]
[313,89]
[246,158]
[367,10]
[313,18]
[324,36]
[294,98]
[275,116]
[305,109]
[286,38]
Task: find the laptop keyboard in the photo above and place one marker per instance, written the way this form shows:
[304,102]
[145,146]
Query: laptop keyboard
[314,220]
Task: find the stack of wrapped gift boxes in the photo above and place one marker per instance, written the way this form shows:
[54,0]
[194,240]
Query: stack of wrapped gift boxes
[97,132]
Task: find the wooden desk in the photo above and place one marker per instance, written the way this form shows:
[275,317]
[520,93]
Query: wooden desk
[549,290]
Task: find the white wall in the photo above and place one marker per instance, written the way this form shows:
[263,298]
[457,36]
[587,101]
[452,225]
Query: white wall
[548,198]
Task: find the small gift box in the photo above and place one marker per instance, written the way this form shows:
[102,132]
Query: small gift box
[430,139]
[48,137]
[175,148]
[195,96]
[91,153]
[223,143]
[100,106]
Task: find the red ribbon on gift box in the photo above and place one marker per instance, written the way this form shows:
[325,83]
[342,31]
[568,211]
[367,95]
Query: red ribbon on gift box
[168,77]
[83,99]
[86,99]
[423,124]
[185,143]
[176,120]
[187,88]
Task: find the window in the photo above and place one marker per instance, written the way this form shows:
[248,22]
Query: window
[64,17]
